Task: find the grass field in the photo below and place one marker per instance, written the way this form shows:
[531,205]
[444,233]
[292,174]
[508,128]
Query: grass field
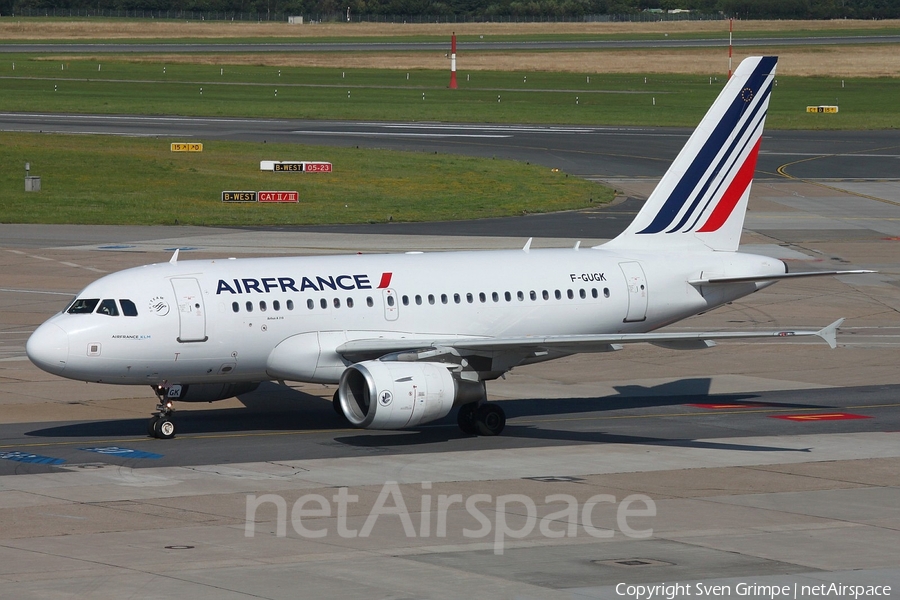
[385,94]
[113,180]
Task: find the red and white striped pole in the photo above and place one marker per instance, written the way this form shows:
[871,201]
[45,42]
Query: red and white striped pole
[730,30]
[453,62]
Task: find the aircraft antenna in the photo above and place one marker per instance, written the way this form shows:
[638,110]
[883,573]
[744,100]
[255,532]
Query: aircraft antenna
[174,258]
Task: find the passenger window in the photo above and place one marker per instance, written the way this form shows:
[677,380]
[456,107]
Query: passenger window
[582,293]
[323,303]
[234,306]
[533,295]
[456,298]
[545,294]
[262,305]
[405,300]
[310,304]
[594,293]
[606,292]
[570,294]
[520,295]
[249,306]
[337,303]
[495,296]
[290,305]
[369,302]
[557,294]
[430,298]
[418,300]
[276,305]
[482,297]
[349,302]
[83,307]
[108,307]
[508,296]
[443,298]
[128,308]
[469,298]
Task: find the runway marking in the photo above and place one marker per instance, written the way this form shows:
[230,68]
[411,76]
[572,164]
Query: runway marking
[122,452]
[26,457]
[68,264]
[821,417]
[392,134]
[724,406]
[693,414]
[781,171]
[15,291]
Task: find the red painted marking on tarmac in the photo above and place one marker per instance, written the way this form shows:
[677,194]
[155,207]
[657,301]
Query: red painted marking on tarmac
[821,417]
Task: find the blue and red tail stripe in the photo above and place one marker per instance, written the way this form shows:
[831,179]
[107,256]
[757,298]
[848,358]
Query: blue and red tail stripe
[741,115]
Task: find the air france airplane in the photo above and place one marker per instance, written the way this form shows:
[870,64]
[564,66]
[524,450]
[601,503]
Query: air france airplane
[409,337]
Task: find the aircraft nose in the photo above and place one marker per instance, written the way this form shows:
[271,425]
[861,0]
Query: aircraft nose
[48,348]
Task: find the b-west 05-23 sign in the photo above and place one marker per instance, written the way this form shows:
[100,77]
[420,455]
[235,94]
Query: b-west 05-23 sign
[296,166]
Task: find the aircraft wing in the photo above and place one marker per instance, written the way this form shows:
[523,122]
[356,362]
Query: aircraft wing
[753,279]
[367,349]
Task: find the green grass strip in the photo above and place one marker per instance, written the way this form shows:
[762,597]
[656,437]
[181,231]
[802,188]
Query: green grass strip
[109,87]
[107,180]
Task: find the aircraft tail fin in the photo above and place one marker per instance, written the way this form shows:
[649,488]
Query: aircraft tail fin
[702,198]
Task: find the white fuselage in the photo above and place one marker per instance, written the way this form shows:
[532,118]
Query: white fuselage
[220,320]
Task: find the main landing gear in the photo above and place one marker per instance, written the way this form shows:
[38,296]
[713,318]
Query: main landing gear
[161,425]
[481,419]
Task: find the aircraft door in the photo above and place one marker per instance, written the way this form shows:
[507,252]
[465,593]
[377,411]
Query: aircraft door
[637,291]
[191,312]
[391,307]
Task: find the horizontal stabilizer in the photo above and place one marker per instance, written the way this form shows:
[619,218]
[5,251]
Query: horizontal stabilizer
[755,278]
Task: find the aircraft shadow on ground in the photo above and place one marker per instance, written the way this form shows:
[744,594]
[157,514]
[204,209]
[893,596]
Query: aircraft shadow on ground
[274,407]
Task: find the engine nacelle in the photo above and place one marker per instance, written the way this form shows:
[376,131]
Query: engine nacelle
[207,392]
[392,395]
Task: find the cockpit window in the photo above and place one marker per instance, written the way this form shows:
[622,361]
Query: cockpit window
[108,307]
[128,308]
[83,307]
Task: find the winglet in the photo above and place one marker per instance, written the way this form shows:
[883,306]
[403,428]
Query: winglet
[174,258]
[829,333]
[527,245]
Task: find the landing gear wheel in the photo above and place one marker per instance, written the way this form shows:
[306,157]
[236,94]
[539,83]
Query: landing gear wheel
[490,419]
[466,418]
[164,429]
[151,425]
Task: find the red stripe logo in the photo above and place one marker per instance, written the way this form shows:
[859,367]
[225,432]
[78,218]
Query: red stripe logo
[385,280]
[733,194]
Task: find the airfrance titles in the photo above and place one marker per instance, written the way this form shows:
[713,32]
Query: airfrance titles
[317,283]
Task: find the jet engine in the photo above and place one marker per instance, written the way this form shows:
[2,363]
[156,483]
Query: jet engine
[393,394]
[205,392]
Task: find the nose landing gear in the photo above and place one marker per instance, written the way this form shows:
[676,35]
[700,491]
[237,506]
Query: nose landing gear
[161,425]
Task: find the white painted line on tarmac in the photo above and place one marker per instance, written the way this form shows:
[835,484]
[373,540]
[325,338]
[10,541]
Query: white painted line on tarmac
[18,291]
[391,134]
